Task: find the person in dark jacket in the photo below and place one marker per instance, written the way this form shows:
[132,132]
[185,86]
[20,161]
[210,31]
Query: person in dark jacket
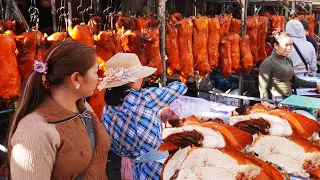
[306,27]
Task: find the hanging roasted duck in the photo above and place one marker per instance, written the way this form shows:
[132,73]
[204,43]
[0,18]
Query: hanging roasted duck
[200,44]
[213,42]
[9,73]
[185,49]
[172,50]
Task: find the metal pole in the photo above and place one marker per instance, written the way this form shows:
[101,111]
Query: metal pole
[243,32]
[286,12]
[54,15]
[293,8]
[161,6]
[310,8]
[70,13]
[244,16]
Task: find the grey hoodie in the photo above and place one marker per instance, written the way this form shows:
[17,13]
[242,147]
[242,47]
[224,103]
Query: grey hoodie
[295,28]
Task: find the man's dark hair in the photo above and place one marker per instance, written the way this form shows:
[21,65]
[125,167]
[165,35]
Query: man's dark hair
[305,24]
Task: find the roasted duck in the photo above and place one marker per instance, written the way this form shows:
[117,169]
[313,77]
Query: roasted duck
[153,52]
[30,47]
[246,60]
[225,57]
[213,42]
[185,49]
[200,44]
[172,50]
[9,73]
[82,33]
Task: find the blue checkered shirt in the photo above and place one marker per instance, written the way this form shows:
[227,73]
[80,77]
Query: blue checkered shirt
[135,126]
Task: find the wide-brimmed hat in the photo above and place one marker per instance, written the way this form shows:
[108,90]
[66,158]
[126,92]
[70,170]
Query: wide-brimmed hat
[123,68]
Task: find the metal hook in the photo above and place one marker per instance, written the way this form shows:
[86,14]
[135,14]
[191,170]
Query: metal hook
[81,9]
[90,11]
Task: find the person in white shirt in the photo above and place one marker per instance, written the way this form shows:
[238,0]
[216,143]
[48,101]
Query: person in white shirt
[296,29]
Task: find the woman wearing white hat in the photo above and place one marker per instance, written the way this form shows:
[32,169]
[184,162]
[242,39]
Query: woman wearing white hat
[131,116]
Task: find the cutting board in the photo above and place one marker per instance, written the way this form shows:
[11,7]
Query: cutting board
[302,101]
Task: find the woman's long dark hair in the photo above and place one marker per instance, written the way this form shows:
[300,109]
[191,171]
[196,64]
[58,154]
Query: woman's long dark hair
[63,60]
[115,96]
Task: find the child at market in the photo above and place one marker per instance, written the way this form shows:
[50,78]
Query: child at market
[131,116]
[54,133]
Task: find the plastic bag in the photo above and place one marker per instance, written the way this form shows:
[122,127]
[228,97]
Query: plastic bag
[187,106]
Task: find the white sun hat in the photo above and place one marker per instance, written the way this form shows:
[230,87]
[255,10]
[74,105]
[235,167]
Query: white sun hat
[123,68]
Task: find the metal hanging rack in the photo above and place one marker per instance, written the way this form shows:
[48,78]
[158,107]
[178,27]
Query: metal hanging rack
[81,10]
[1,10]
[63,13]
[34,16]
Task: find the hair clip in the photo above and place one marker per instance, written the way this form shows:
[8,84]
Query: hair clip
[40,67]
